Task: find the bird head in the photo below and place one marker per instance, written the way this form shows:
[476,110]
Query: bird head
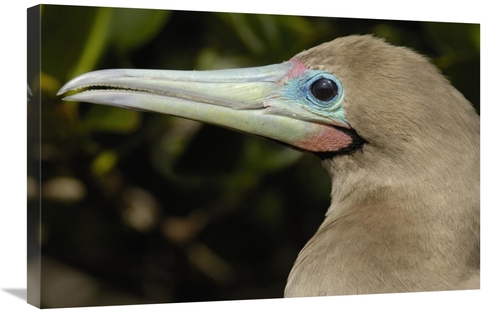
[328,100]
[393,97]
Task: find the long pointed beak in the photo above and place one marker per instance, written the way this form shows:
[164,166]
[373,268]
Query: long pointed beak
[245,100]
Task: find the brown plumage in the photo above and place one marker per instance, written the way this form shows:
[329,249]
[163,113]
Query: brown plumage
[404,214]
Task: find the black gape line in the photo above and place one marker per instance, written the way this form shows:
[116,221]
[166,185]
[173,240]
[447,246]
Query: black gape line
[357,144]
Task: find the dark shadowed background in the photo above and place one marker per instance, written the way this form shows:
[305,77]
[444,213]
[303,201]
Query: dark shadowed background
[146,208]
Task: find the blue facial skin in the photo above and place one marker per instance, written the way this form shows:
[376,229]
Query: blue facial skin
[299,90]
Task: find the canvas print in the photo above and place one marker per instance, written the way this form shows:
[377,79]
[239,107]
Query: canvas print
[179,156]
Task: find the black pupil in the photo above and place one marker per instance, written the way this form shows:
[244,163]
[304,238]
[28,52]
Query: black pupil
[324,89]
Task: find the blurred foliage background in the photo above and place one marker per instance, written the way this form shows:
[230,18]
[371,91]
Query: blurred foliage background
[145,208]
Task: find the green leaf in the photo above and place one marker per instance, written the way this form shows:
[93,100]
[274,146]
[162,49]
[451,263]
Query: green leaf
[104,162]
[132,28]
[113,120]
[96,42]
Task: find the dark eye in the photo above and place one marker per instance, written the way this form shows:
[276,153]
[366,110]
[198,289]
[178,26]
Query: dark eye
[324,89]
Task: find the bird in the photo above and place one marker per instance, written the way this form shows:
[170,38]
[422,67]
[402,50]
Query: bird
[399,142]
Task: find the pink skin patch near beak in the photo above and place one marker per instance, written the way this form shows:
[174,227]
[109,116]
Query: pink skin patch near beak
[326,139]
[297,70]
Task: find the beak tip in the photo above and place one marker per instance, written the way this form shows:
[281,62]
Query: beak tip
[62,90]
